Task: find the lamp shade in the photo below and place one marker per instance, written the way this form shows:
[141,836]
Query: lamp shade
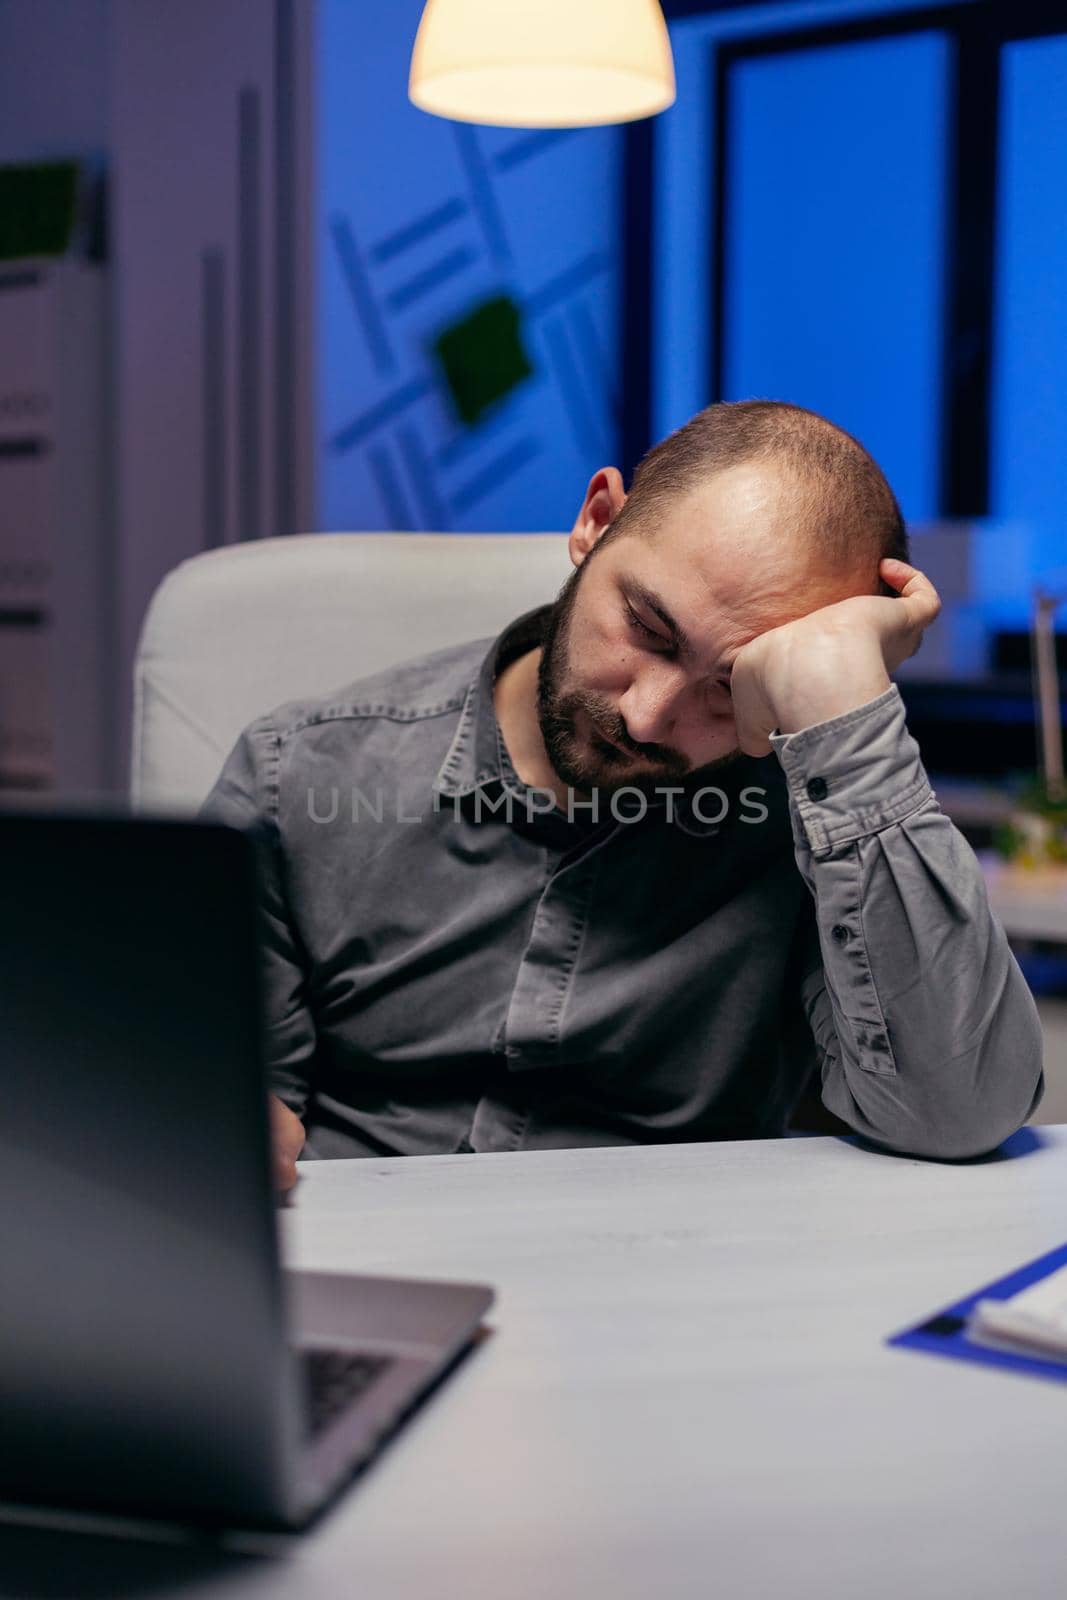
[542,63]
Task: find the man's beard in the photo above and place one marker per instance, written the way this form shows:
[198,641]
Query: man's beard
[575,762]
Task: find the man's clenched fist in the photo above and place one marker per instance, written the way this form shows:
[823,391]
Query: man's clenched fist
[830,661]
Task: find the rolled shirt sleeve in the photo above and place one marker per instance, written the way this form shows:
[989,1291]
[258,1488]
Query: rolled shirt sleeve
[928,1035]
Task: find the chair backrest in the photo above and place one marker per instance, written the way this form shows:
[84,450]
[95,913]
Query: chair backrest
[235,631]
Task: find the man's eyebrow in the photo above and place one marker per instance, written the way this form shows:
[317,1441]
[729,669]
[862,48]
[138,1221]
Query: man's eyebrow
[680,639]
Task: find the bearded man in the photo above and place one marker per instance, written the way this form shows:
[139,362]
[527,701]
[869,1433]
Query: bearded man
[655,861]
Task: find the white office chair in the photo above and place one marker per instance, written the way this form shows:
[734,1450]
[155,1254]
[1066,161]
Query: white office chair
[235,631]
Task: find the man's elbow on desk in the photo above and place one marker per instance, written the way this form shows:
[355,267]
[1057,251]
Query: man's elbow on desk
[989,1130]
[951,1126]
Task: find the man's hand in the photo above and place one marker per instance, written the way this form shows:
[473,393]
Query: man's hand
[287,1137]
[832,660]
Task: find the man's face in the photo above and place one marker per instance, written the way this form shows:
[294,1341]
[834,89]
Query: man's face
[634,678]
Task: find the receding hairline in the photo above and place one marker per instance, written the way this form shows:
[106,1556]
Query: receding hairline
[848,519]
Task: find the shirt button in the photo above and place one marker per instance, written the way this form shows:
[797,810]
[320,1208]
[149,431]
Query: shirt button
[816,788]
[839,933]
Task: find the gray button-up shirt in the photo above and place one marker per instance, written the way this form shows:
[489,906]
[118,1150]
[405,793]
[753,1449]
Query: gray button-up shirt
[454,963]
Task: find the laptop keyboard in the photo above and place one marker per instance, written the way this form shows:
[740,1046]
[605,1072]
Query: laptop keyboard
[334,1378]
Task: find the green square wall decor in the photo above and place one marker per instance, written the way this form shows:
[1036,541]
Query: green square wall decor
[483,356]
[38,204]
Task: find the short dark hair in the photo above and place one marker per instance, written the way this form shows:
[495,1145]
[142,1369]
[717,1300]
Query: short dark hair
[848,517]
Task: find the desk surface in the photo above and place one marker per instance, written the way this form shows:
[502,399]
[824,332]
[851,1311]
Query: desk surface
[686,1391]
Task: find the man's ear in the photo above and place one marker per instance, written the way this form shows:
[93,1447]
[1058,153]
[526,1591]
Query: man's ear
[604,499]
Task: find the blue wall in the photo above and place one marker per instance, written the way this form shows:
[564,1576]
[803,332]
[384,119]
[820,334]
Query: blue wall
[421,222]
[1029,462]
[834,260]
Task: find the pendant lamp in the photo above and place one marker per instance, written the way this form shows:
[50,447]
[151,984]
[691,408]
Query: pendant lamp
[542,63]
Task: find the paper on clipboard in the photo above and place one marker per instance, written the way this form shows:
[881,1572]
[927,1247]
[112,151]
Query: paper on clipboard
[1035,1318]
[1018,1323]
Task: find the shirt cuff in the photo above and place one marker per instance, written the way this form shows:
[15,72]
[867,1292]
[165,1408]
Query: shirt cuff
[854,775]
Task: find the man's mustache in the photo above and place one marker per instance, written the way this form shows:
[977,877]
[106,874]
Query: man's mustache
[610,725]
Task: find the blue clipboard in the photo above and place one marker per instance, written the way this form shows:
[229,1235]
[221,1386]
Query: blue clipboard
[945,1333]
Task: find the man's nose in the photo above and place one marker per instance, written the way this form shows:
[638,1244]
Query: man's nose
[650,705]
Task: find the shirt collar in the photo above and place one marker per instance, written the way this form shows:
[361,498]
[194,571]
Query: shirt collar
[474,756]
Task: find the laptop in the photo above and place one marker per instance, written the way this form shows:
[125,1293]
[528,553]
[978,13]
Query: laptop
[155,1359]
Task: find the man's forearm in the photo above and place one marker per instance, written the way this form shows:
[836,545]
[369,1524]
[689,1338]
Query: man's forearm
[244,797]
[929,1036]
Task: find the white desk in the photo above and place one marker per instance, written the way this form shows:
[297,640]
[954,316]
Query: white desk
[686,1393]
